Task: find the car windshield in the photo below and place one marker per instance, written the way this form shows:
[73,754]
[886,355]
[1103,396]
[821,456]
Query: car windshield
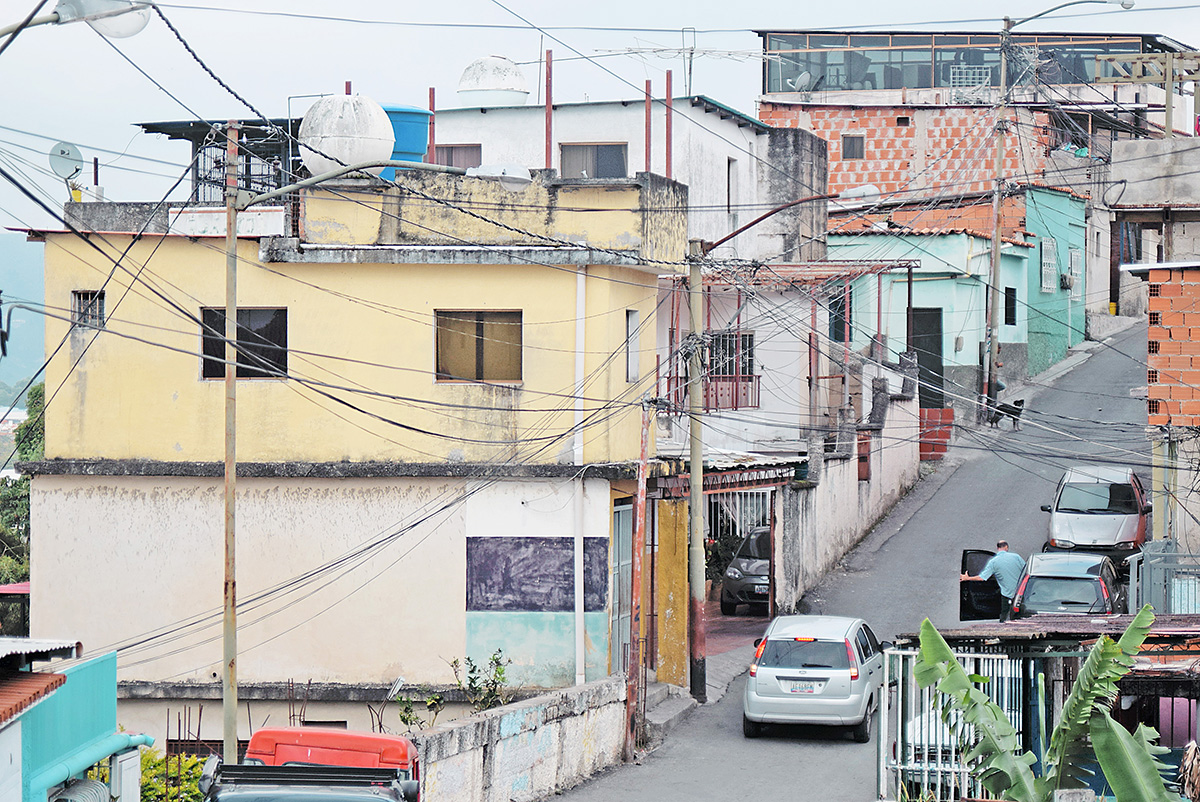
[756,546]
[805,654]
[1048,594]
[1098,499]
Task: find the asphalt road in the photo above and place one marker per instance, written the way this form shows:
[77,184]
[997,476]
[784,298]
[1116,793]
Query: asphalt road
[992,488]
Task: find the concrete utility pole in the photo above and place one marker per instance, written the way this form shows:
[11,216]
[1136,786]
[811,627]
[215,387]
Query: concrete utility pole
[697,627]
[229,629]
[993,328]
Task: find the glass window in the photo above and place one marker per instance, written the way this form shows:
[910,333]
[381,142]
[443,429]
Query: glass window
[479,346]
[756,546]
[1053,594]
[1098,499]
[463,156]
[864,646]
[593,161]
[805,654]
[853,146]
[839,317]
[1010,306]
[632,349]
[731,354]
[261,343]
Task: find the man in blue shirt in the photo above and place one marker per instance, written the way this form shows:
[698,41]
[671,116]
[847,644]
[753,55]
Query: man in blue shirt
[1007,567]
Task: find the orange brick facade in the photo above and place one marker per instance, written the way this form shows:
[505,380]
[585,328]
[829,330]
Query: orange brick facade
[906,148]
[1173,378]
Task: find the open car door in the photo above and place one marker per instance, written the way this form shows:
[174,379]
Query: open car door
[977,601]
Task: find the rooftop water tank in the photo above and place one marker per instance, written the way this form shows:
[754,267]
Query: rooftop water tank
[349,128]
[492,81]
[411,127]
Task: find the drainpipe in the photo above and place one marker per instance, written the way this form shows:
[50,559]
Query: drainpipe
[580,332]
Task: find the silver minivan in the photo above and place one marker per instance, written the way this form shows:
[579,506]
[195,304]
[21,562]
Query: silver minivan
[815,669]
[1098,508]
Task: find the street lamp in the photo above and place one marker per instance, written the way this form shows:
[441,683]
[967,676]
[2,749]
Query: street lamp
[116,19]
[238,200]
[993,328]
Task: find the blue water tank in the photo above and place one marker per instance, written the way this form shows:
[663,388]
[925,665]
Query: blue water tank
[411,126]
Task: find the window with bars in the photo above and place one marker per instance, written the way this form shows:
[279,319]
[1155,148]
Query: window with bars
[731,354]
[261,343]
[478,346]
[1049,264]
[87,308]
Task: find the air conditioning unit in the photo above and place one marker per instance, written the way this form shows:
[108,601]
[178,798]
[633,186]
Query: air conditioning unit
[1066,281]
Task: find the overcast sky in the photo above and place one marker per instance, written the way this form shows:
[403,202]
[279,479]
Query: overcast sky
[68,83]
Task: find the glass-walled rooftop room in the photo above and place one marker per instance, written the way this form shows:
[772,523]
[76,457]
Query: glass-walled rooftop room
[827,61]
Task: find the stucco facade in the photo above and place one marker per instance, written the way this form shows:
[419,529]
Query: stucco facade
[392,516]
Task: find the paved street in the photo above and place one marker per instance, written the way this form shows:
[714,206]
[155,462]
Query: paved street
[907,569]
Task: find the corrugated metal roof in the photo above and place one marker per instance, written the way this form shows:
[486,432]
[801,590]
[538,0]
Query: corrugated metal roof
[20,689]
[1070,627]
[846,231]
[776,275]
[39,649]
[15,589]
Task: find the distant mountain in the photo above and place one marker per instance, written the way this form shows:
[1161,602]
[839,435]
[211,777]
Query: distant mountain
[21,281]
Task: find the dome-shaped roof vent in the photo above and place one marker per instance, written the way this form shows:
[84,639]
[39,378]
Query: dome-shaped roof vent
[493,81]
[349,128]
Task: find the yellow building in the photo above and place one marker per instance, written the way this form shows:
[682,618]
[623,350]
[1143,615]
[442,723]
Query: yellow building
[438,420]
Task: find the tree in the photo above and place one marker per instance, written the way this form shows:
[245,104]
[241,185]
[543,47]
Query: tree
[1084,731]
[31,434]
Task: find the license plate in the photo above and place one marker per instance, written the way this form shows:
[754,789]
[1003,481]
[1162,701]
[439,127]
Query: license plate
[802,686]
[762,588]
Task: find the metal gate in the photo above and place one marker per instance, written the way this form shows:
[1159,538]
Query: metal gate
[1166,578]
[919,752]
[730,515]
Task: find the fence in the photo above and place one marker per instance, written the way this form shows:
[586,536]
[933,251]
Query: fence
[1166,578]
[919,749]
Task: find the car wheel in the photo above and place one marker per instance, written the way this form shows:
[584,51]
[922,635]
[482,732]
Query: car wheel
[728,607]
[751,729]
[862,731]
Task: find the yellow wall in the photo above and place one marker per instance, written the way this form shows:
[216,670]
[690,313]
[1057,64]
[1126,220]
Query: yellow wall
[672,593]
[362,326]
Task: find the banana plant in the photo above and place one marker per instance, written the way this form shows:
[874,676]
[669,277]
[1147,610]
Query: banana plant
[1085,730]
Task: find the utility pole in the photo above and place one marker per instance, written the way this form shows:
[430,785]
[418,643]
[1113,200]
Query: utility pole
[229,628]
[636,655]
[697,627]
[993,327]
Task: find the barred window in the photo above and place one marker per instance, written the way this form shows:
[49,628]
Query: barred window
[1049,264]
[87,308]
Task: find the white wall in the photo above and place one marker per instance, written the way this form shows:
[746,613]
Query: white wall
[703,145]
[135,555]
[10,761]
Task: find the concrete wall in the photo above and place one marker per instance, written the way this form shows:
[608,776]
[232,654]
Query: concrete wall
[526,751]
[1171,163]
[821,522]
[400,608]
[733,168]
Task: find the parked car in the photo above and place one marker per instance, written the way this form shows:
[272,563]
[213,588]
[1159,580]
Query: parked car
[1069,583]
[1098,508]
[747,579]
[813,669]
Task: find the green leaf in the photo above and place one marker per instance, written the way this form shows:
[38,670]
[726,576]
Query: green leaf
[1094,690]
[1128,762]
[995,753]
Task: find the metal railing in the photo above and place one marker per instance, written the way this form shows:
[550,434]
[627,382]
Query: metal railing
[1166,578]
[720,392]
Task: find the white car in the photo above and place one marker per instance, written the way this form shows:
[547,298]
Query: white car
[815,669]
[1098,508]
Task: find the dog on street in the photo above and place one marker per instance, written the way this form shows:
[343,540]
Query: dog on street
[1011,411]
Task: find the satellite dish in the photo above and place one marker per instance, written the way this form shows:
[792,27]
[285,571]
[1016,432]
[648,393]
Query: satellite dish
[801,82]
[66,161]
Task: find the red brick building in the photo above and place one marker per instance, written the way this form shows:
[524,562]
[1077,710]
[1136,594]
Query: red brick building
[1173,345]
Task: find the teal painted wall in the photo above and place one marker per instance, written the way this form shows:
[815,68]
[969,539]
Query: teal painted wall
[1056,316]
[540,645]
[80,712]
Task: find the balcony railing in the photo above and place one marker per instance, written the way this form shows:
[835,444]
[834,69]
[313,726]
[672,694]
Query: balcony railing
[720,392]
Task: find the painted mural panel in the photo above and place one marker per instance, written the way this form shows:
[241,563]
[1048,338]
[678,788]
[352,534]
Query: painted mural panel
[534,574]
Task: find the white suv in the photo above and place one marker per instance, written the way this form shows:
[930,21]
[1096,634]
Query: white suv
[814,669]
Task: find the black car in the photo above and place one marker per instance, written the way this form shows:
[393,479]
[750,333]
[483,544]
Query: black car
[747,579]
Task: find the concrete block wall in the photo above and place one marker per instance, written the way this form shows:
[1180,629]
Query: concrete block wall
[911,147]
[1174,347]
[528,750]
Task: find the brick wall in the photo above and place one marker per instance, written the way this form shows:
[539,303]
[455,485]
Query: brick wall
[906,147]
[1174,348]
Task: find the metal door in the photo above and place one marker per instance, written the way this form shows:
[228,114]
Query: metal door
[977,601]
[927,342]
[622,586]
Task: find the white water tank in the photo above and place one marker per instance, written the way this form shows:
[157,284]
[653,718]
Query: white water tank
[349,128]
[492,81]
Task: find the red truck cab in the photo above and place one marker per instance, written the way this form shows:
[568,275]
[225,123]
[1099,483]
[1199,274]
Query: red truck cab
[327,746]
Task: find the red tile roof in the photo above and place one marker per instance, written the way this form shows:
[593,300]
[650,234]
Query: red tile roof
[20,689]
